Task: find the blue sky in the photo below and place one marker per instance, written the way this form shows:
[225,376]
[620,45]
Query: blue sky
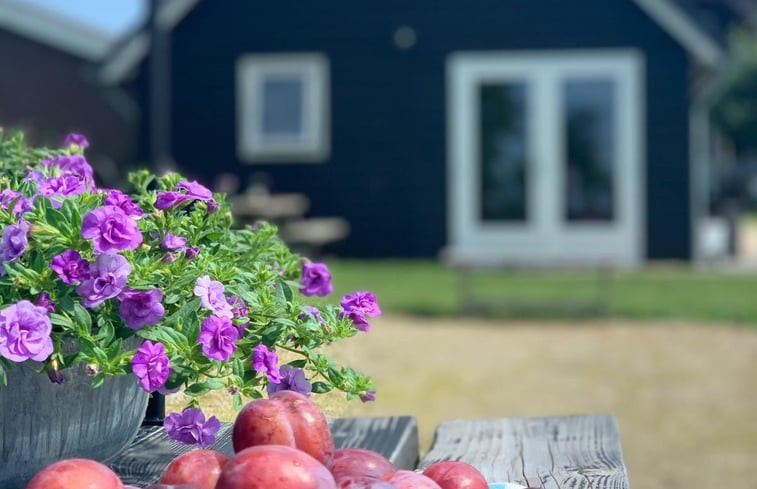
[114,17]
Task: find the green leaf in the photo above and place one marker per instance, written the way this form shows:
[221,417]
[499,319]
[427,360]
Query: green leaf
[321,387]
[60,320]
[55,217]
[98,380]
[183,312]
[82,317]
[237,401]
[106,332]
[237,366]
[3,376]
[200,388]
[298,363]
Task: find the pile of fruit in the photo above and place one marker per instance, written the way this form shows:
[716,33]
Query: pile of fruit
[282,442]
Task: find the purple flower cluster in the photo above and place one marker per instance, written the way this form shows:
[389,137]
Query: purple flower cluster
[139,308]
[239,311]
[14,242]
[358,306]
[211,294]
[74,176]
[70,267]
[313,312]
[8,196]
[368,396]
[189,427]
[62,187]
[111,230]
[217,337]
[185,192]
[25,332]
[107,278]
[316,280]
[267,362]
[116,198]
[173,242]
[77,139]
[292,379]
[151,365]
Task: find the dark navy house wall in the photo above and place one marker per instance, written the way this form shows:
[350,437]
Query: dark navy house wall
[387,170]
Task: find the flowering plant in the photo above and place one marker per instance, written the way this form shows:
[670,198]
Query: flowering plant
[157,284]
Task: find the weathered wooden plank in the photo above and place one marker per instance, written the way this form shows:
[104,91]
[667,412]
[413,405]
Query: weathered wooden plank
[142,462]
[571,452]
[394,437]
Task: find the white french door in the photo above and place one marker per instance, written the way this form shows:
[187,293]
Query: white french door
[546,155]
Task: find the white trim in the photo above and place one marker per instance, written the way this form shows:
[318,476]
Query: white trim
[124,59]
[681,28]
[546,236]
[51,30]
[313,144]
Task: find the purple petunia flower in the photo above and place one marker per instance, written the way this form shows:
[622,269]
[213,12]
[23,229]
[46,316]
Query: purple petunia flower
[151,365]
[267,362]
[107,278]
[368,396]
[119,199]
[169,257]
[314,312]
[173,242]
[316,279]
[211,292]
[239,311]
[217,337]
[14,242]
[70,267]
[140,308]
[195,190]
[292,379]
[25,332]
[166,200]
[189,427]
[35,176]
[77,139]
[61,187]
[111,230]
[359,305]
[192,191]
[22,204]
[45,301]
[75,165]
[192,252]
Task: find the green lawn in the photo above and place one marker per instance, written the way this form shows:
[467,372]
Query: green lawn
[429,288]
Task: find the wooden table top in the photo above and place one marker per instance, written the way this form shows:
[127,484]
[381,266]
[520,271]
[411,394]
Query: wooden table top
[554,452]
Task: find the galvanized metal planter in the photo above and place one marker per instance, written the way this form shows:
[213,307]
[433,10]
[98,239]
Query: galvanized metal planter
[41,422]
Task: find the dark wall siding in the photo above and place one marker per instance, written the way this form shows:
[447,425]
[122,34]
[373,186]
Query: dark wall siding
[48,93]
[387,168]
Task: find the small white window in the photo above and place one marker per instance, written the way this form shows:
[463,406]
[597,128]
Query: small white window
[283,107]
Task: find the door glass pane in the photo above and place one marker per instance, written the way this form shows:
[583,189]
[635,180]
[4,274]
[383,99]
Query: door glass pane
[503,152]
[282,106]
[590,149]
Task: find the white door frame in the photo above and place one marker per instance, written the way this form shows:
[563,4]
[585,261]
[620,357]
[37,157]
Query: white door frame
[546,237]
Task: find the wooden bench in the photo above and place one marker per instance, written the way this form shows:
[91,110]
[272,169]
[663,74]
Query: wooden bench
[469,264]
[550,452]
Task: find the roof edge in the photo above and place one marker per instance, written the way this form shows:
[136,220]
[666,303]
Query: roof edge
[71,37]
[681,28]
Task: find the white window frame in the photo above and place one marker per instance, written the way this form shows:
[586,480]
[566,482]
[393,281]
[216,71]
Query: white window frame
[313,146]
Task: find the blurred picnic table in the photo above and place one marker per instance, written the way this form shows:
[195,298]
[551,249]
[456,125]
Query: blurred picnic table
[578,452]
[307,235]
